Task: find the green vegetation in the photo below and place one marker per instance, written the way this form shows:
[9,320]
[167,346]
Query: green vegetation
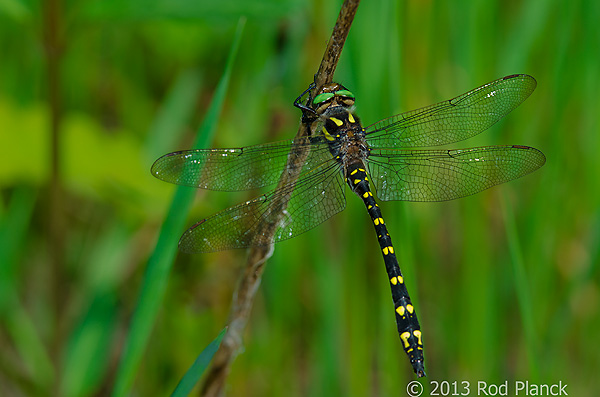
[506,282]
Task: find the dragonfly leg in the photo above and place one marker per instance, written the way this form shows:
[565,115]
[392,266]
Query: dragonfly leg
[308,114]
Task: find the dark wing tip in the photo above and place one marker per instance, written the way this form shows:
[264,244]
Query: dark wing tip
[157,166]
[532,81]
[540,158]
[519,75]
[187,243]
[512,76]
[154,169]
[166,157]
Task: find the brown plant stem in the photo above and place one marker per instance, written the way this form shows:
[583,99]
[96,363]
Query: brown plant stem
[244,295]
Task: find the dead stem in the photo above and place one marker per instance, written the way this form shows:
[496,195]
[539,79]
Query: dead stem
[246,289]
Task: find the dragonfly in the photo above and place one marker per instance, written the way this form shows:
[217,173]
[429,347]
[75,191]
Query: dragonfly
[391,156]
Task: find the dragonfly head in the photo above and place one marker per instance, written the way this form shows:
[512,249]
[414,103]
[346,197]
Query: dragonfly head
[331,95]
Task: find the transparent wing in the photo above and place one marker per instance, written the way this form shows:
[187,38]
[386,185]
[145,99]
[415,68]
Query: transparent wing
[236,169]
[454,120]
[315,197]
[438,175]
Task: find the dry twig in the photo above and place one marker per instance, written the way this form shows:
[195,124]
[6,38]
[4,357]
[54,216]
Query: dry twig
[244,294]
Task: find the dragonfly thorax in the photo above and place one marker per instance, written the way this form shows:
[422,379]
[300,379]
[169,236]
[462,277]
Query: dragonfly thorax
[345,136]
[338,121]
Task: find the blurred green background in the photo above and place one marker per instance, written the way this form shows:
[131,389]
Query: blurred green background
[506,282]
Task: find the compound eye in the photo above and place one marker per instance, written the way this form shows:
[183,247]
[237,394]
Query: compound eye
[325,96]
[345,94]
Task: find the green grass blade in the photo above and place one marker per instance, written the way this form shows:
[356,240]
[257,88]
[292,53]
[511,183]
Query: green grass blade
[192,376]
[85,359]
[521,287]
[161,260]
[19,327]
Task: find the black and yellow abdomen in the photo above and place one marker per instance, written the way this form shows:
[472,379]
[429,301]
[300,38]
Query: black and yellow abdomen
[406,317]
[347,141]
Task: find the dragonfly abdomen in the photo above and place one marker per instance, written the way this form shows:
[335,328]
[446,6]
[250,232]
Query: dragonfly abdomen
[406,317]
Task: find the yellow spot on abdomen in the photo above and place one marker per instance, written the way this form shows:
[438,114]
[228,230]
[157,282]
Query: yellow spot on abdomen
[410,308]
[351,118]
[353,172]
[417,333]
[400,310]
[385,251]
[356,181]
[404,336]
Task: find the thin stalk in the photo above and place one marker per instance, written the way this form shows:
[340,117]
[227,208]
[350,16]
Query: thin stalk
[243,297]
